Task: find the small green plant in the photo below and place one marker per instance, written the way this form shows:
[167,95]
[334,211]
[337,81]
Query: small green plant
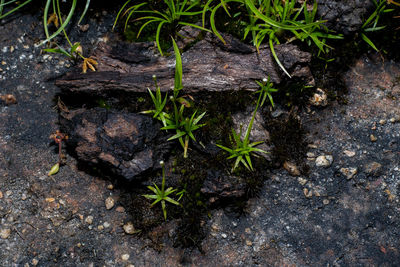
[243,149]
[266,90]
[174,15]
[58,137]
[75,50]
[57,15]
[183,125]
[159,104]
[275,19]
[162,195]
[371,24]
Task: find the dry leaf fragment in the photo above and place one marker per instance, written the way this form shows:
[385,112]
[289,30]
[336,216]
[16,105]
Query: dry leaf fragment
[53,19]
[88,62]
[54,169]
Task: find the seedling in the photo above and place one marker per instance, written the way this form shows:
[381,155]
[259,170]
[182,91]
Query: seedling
[162,195]
[75,49]
[58,137]
[183,126]
[159,104]
[177,11]
[243,149]
[266,90]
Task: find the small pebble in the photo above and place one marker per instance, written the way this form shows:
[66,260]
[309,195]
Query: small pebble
[215,227]
[349,172]
[302,181]
[1,195]
[349,153]
[129,228]
[382,122]
[84,27]
[24,197]
[125,257]
[8,193]
[5,233]
[120,209]
[100,227]
[35,262]
[249,243]
[310,155]
[325,201]
[89,220]
[373,138]
[392,120]
[324,161]
[110,186]
[320,98]
[307,193]
[224,235]
[291,168]
[110,202]
[106,224]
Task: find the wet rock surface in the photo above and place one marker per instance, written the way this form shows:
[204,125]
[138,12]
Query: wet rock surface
[321,219]
[344,16]
[127,144]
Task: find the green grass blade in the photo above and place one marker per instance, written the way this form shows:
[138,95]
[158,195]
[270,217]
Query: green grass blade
[271,46]
[62,27]
[15,9]
[178,69]
[158,36]
[368,41]
[84,11]
[119,13]
[170,200]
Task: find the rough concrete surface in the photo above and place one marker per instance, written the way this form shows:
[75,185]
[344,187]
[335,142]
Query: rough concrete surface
[324,218]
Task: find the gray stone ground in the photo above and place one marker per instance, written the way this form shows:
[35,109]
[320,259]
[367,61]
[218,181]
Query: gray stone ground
[344,214]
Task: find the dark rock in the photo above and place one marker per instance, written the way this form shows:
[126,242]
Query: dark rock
[208,66]
[344,16]
[126,143]
[218,186]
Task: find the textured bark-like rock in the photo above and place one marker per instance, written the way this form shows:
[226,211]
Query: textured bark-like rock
[126,144]
[208,66]
[219,187]
[344,16]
